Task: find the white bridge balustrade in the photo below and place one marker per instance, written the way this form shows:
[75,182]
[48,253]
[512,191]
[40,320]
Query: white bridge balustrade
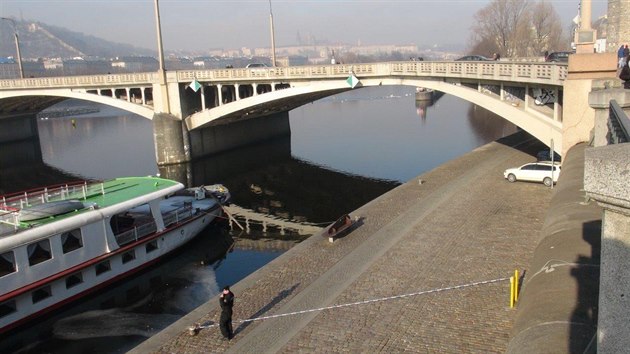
[226,96]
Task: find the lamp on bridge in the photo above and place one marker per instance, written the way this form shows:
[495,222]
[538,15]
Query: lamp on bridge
[273,40]
[585,36]
[17,45]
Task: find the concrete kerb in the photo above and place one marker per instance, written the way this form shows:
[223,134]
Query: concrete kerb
[558,304]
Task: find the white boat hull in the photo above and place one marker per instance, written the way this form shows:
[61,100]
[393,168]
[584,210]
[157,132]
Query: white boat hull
[166,241]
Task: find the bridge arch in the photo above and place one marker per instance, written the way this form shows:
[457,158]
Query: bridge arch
[540,126]
[146,112]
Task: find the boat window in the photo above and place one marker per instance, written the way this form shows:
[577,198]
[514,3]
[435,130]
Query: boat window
[41,294]
[39,252]
[151,246]
[71,240]
[7,308]
[74,279]
[103,267]
[7,263]
[128,256]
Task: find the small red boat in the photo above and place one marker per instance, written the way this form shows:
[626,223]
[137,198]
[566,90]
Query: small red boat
[339,227]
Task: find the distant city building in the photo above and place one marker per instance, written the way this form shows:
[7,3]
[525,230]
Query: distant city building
[53,64]
[9,68]
[292,60]
[135,64]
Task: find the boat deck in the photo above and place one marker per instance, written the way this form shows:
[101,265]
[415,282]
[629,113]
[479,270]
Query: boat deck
[14,207]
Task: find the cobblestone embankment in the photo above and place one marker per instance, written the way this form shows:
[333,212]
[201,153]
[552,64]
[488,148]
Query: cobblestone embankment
[457,224]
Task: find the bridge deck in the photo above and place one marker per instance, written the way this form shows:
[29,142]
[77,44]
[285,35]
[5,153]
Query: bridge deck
[463,224]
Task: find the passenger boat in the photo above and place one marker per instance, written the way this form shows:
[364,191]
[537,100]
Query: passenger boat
[61,243]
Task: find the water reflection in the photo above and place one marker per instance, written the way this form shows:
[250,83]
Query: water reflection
[343,152]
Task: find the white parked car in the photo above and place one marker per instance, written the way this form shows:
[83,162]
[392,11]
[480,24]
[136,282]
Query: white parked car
[543,172]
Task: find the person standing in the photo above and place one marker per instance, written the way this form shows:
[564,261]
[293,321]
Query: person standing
[620,57]
[626,51]
[226,300]
[625,73]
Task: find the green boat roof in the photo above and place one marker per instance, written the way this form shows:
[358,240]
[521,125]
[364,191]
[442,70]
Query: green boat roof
[100,194]
[126,188]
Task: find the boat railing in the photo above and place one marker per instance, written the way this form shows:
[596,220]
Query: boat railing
[79,190]
[137,232]
[9,222]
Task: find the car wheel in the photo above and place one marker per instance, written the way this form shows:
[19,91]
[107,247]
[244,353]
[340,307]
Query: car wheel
[547,181]
[511,178]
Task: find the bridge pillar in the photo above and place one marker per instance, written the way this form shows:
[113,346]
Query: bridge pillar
[586,72]
[220,93]
[203,97]
[220,138]
[237,92]
[19,141]
[557,113]
[606,180]
[526,103]
[172,145]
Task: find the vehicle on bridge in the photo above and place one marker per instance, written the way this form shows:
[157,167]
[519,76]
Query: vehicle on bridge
[61,243]
[544,172]
[473,58]
[558,57]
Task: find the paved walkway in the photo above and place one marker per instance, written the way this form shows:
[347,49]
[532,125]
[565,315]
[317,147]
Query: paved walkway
[463,224]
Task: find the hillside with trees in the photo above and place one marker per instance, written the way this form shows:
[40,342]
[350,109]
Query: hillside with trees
[39,40]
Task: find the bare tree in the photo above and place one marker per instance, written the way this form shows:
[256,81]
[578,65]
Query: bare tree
[546,28]
[504,23]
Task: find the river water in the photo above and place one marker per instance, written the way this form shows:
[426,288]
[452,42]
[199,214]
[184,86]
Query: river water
[343,151]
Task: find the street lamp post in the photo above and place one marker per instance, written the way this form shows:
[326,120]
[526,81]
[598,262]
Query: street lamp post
[162,71]
[273,40]
[17,45]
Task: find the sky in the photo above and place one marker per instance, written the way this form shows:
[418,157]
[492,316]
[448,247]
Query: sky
[197,25]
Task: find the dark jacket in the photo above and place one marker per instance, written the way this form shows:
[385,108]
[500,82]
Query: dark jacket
[227,302]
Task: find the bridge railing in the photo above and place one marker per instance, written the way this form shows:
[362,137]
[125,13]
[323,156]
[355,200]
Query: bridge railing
[80,81]
[539,72]
[525,72]
[618,124]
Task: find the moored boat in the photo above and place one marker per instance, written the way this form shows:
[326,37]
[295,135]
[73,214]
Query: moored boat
[339,228]
[61,243]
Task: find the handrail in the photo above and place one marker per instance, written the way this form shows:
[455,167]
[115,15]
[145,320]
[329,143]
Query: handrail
[137,232]
[542,72]
[618,124]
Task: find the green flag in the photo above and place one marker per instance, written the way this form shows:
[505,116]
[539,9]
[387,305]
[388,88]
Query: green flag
[195,85]
[352,80]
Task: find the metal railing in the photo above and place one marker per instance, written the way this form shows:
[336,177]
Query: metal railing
[78,190]
[171,218]
[618,125]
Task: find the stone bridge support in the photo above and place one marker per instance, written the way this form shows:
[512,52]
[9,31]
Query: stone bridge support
[607,180]
[219,138]
[171,140]
[19,141]
[587,72]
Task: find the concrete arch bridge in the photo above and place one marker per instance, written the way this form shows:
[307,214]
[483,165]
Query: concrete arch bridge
[197,112]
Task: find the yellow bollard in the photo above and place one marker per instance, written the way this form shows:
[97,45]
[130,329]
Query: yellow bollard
[516,285]
[511,292]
